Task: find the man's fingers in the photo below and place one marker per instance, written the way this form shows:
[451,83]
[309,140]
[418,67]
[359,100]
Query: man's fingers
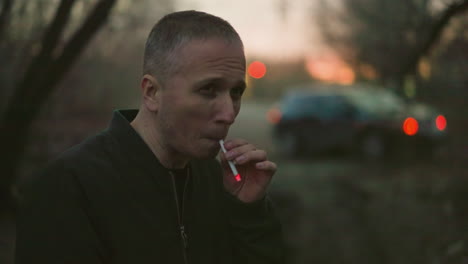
[233,143]
[251,156]
[239,151]
[242,152]
[266,165]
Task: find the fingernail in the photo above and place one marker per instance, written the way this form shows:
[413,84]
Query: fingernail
[227,145]
[229,155]
[240,159]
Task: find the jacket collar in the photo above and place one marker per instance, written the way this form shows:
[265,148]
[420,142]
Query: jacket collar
[132,144]
[150,187]
[140,171]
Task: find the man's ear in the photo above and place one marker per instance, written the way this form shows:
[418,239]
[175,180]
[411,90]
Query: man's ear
[150,89]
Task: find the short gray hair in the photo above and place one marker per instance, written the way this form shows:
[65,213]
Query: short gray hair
[177,29]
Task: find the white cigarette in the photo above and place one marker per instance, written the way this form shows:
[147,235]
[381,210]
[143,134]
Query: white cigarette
[231,164]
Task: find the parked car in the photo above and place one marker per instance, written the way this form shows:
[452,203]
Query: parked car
[368,121]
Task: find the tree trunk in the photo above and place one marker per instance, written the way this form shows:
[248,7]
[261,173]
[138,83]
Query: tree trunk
[38,83]
[4,16]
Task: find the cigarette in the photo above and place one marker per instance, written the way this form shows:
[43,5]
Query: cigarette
[231,164]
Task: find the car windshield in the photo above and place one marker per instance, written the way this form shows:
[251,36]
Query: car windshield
[297,104]
[377,101]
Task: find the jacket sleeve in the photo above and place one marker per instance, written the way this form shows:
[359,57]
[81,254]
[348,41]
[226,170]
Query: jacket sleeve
[52,226]
[255,231]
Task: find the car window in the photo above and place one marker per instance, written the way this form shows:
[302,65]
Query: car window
[335,108]
[321,106]
[376,101]
[302,106]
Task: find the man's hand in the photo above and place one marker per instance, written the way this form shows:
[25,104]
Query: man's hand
[254,168]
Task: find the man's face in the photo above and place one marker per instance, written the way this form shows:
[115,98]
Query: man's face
[201,100]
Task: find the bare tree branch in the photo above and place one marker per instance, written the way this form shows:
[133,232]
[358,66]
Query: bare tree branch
[5,15]
[48,45]
[38,83]
[434,35]
[392,36]
[75,46]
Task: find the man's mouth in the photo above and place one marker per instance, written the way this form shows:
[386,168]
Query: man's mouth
[217,137]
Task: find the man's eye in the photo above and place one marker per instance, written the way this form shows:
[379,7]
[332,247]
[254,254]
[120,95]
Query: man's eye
[208,89]
[237,92]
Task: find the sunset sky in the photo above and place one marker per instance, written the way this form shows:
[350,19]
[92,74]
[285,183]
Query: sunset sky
[279,30]
[265,30]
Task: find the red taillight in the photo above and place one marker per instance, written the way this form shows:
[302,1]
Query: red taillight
[273,115]
[410,126]
[441,122]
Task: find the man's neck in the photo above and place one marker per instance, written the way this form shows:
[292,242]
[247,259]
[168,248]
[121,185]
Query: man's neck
[149,134]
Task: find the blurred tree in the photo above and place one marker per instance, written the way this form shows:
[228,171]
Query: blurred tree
[105,77]
[443,74]
[109,71]
[4,15]
[388,37]
[47,57]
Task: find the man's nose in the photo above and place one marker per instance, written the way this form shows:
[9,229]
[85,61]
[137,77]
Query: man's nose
[227,111]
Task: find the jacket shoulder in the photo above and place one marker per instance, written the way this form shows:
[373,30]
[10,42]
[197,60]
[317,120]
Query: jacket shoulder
[94,153]
[89,158]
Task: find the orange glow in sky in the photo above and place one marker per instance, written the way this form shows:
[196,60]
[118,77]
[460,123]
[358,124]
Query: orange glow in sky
[329,68]
[368,72]
[268,30]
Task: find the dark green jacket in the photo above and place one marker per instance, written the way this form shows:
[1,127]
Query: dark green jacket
[109,200]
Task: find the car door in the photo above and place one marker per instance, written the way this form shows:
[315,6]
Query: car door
[337,121]
[315,130]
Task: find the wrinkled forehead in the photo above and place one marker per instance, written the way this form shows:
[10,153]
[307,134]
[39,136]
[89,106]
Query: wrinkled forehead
[185,41]
[201,51]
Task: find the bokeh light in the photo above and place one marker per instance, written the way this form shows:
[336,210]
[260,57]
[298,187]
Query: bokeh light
[410,126]
[273,115]
[256,70]
[441,122]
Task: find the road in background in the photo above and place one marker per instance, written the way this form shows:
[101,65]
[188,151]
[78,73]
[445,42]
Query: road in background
[251,124]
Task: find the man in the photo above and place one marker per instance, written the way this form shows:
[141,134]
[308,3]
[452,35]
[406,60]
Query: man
[148,189]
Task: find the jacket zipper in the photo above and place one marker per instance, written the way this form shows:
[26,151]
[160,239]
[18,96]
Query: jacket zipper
[180,216]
